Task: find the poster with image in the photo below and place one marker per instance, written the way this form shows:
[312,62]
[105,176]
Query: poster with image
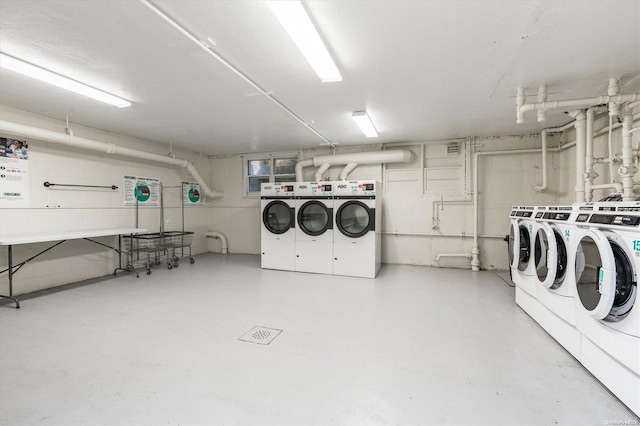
[145,191]
[14,173]
[192,195]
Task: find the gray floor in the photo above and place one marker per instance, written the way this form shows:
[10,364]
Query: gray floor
[415,346]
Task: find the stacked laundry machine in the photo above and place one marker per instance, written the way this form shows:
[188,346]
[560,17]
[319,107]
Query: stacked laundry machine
[322,227]
[278,232]
[586,280]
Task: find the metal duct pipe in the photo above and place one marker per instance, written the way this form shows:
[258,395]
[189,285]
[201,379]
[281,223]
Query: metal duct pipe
[323,168]
[104,147]
[347,169]
[371,157]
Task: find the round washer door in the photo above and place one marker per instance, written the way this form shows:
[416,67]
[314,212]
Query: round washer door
[551,257]
[314,218]
[278,217]
[354,219]
[604,275]
[524,247]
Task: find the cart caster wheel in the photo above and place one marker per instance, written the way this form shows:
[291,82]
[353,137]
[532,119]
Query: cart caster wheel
[169,266]
[148,272]
[176,264]
[175,259]
[192,260]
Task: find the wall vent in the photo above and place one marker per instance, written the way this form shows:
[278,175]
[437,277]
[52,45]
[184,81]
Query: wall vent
[453,149]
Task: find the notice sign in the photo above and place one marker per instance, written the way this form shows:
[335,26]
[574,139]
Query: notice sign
[14,173]
[141,190]
[192,195]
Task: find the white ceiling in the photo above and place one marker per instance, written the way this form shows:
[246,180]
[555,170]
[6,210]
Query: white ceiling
[424,70]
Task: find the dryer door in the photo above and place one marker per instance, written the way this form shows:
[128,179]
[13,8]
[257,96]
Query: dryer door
[278,217]
[604,276]
[315,218]
[551,256]
[523,247]
[354,219]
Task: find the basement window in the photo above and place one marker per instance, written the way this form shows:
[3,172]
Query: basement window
[262,168]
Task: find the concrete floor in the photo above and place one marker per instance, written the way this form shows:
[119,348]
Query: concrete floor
[415,346]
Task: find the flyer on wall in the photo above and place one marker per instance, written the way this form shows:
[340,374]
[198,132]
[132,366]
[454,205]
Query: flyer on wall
[14,173]
[192,195]
[141,190]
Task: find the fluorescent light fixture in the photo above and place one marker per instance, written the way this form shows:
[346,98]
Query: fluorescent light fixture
[41,74]
[362,119]
[297,23]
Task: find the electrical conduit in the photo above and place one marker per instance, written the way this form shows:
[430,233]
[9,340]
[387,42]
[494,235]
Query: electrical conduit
[104,147]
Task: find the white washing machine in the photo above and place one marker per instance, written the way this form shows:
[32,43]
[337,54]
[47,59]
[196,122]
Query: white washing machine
[357,238]
[607,264]
[521,258]
[555,279]
[278,234]
[314,231]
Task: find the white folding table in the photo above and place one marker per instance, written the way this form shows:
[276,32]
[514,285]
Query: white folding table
[61,237]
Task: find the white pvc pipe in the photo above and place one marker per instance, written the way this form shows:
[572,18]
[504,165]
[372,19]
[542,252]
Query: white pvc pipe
[574,103]
[581,140]
[370,157]
[628,169]
[441,255]
[544,163]
[105,147]
[614,185]
[323,168]
[347,169]
[589,174]
[610,150]
[475,249]
[223,240]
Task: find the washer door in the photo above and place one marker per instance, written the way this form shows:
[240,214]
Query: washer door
[314,218]
[524,247]
[354,219]
[604,276]
[551,257]
[278,217]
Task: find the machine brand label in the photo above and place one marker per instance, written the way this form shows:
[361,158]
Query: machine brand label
[267,187]
[302,186]
[342,186]
[636,245]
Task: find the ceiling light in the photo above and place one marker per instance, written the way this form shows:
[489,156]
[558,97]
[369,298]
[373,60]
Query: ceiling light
[297,23]
[41,74]
[362,119]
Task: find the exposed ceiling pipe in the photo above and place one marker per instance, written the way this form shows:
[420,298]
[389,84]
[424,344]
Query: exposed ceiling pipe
[628,169]
[542,187]
[521,107]
[589,174]
[581,142]
[323,168]
[104,147]
[347,169]
[370,157]
[206,46]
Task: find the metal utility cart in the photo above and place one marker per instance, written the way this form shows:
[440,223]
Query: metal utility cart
[160,247]
[164,246]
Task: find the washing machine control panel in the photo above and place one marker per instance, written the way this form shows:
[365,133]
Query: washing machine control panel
[355,188]
[314,189]
[277,189]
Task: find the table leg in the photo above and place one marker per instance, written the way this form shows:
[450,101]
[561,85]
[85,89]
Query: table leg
[10,261]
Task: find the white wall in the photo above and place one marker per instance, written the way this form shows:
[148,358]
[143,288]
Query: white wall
[408,209]
[67,209]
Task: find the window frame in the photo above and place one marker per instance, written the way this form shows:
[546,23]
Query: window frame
[271,156]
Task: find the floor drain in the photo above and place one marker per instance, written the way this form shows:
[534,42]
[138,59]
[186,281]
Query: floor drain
[260,335]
